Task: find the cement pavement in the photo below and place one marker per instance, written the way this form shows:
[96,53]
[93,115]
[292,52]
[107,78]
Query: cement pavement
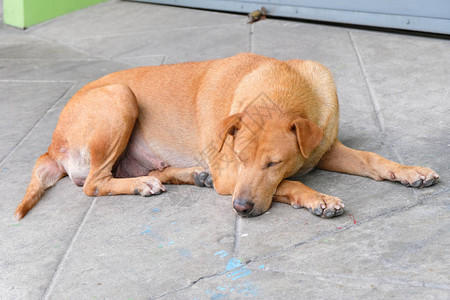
[391,242]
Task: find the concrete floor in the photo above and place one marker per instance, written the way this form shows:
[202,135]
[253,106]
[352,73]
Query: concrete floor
[391,242]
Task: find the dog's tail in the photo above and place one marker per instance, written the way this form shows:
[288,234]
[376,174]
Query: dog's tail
[46,173]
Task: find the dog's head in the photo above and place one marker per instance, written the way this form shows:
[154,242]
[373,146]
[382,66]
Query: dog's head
[266,152]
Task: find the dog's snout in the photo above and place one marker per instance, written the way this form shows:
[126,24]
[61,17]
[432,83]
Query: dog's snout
[242,206]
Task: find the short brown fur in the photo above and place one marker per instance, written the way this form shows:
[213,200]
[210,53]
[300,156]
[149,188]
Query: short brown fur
[249,121]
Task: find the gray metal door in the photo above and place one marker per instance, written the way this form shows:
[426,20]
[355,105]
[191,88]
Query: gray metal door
[419,15]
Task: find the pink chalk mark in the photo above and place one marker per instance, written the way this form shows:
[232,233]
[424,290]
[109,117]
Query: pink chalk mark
[353,218]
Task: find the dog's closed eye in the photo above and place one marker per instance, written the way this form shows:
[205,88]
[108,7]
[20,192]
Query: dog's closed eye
[271,164]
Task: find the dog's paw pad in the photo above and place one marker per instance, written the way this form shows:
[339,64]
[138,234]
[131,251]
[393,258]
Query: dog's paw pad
[150,186]
[203,178]
[417,177]
[317,211]
[327,206]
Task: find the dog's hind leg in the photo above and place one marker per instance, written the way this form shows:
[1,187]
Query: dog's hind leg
[194,175]
[346,160]
[100,122]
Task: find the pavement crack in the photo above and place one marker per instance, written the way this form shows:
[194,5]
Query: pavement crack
[329,233]
[434,194]
[207,276]
[191,284]
[236,250]
[364,279]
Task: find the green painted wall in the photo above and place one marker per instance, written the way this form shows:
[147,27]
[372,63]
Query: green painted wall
[25,13]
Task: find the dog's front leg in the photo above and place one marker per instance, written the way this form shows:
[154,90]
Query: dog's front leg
[195,175]
[299,195]
[346,160]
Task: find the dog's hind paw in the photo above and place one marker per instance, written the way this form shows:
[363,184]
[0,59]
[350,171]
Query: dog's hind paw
[416,177]
[203,178]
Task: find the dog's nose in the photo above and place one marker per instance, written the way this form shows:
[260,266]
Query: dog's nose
[243,207]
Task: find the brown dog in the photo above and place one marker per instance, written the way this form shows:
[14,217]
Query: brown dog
[245,123]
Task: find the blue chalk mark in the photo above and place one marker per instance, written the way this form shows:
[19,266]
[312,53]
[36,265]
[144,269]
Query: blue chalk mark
[215,295]
[247,289]
[147,230]
[173,223]
[261,266]
[218,296]
[236,269]
[156,209]
[239,270]
[185,253]
[5,169]
[233,263]
[170,243]
[221,253]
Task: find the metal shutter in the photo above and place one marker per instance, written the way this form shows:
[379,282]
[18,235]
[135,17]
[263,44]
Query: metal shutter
[419,15]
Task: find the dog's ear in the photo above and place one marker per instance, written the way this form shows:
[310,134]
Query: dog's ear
[228,126]
[308,134]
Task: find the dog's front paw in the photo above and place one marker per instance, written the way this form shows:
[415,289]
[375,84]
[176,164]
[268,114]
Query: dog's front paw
[416,177]
[324,206]
[148,186]
[203,178]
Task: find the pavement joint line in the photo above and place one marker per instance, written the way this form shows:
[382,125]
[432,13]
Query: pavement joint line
[237,239]
[392,211]
[319,237]
[60,266]
[157,30]
[200,279]
[382,280]
[35,81]
[70,46]
[237,236]
[51,59]
[50,109]
[330,233]
[139,56]
[252,40]
[373,99]
[121,55]
[438,193]
[400,160]
[397,155]
[415,191]
[130,66]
